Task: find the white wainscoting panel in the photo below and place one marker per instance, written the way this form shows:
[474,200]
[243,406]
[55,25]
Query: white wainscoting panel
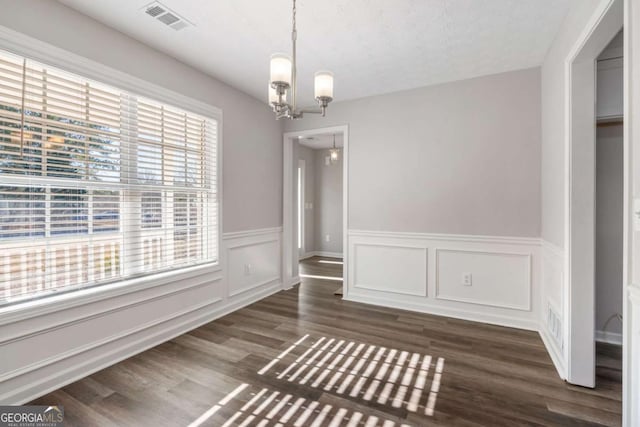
[390,268]
[423,272]
[552,316]
[53,342]
[497,279]
[632,349]
[252,261]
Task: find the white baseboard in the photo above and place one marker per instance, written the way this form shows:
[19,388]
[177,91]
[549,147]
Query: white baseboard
[554,352]
[474,316]
[609,337]
[292,282]
[322,254]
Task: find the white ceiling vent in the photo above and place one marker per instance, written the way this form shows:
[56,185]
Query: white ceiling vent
[167,16]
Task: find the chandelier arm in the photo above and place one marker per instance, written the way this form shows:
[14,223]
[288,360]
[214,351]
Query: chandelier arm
[320,110]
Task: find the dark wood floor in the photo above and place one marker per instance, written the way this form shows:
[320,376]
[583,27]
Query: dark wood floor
[306,358]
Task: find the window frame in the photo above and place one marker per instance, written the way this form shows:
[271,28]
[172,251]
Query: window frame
[37,50]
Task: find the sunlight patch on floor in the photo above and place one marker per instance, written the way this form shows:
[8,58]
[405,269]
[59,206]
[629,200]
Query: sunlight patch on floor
[383,375]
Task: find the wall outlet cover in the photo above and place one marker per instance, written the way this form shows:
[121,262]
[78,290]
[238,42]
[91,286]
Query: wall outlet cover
[466,279]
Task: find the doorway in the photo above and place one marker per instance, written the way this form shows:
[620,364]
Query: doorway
[315,207]
[609,216]
[580,194]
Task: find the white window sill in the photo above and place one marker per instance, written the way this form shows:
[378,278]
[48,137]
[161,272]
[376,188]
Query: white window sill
[50,304]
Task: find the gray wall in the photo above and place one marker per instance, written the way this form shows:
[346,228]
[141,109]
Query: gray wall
[461,157]
[323,189]
[252,168]
[609,226]
[309,157]
[328,203]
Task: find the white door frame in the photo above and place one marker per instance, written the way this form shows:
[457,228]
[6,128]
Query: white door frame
[631,304]
[580,130]
[302,165]
[289,240]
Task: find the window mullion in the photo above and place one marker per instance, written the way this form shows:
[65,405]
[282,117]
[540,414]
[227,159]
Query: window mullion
[131,262]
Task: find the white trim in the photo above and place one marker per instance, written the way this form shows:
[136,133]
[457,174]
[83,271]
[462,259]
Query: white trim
[609,337]
[251,233]
[464,314]
[175,287]
[578,298]
[290,256]
[634,293]
[552,248]
[301,175]
[552,275]
[509,240]
[554,353]
[631,304]
[40,307]
[528,256]
[423,293]
[321,254]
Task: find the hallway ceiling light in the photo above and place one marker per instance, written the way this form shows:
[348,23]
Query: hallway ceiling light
[283,79]
[333,153]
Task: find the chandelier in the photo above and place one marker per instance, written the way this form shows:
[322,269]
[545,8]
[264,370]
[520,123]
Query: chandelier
[282,82]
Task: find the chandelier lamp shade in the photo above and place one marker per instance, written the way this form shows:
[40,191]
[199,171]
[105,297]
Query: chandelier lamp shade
[282,82]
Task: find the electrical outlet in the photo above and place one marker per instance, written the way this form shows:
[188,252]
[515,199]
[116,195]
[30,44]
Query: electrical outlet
[466,279]
[327,238]
[247,269]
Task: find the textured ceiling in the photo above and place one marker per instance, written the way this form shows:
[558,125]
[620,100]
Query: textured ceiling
[372,46]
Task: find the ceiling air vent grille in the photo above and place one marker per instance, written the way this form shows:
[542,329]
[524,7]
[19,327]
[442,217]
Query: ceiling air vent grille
[154,11]
[168,17]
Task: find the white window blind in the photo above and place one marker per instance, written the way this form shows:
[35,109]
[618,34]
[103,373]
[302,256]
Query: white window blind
[98,184]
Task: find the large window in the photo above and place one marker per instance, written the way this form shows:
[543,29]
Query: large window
[98,184]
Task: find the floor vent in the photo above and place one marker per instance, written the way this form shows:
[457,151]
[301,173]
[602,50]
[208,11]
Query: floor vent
[554,324]
[168,17]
